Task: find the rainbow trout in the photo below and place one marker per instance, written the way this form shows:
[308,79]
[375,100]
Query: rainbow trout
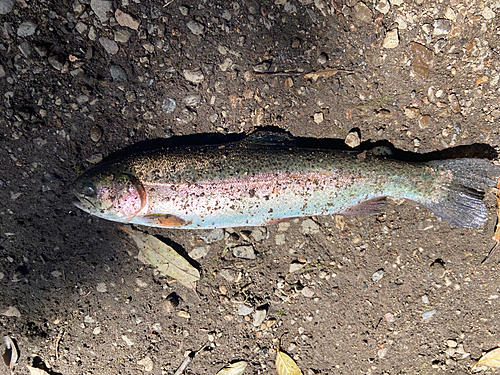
[247,183]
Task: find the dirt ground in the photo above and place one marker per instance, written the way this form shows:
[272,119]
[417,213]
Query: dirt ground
[399,293]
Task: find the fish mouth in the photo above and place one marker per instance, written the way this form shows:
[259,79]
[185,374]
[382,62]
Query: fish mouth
[84,204]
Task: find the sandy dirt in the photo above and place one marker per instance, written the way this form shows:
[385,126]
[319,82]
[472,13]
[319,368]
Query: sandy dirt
[82,80]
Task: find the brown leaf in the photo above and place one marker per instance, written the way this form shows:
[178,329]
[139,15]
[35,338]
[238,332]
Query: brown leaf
[285,365]
[325,73]
[490,359]
[164,258]
[235,368]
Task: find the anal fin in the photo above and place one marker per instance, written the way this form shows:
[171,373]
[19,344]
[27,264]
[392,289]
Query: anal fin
[167,221]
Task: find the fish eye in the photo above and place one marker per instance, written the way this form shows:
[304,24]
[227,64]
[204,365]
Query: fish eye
[88,189]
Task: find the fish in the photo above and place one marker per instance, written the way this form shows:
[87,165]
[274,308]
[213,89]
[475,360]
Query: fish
[252,183]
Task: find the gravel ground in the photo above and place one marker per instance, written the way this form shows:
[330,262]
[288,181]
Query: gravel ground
[399,293]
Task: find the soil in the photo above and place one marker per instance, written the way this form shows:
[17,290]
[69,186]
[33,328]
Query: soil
[421,75]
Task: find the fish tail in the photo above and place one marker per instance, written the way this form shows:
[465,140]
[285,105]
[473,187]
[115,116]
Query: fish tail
[460,190]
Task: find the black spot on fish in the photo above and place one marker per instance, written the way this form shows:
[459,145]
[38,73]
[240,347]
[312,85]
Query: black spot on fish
[251,193]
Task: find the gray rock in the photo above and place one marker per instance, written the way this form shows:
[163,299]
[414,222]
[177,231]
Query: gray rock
[2,72]
[213,235]
[26,29]
[428,314]
[195,27]
[192,101]
[244,252]
[102,9]
[168,105]
[377,275]
[244,310]
[362,12]
[194,76]
[199,252]
[122,36]
[442,27]
[117,73]
[6,6]
[109,45]
[309,226]
[184,10]
[56,61]
[25,49]
[260,315]
[228,274]
[262,67]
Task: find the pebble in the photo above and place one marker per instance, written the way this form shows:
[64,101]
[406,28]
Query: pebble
[441,27]
[102,288]
[280,239]
[307,292]
[450,14]
[192,100]
[195,27]
[117,73]
[262,67]
[425,299]
[389,317]
[396,2]
[487,13]
[109,45]
[451,343]
[391,39]
[382,352]
[25,49]
[228,274]
[168,105]
[2,72]
[26,29]
[194,76]
[352,140]
[383,6]
[362,12]
[184,10]
[428,314]
[421,59]
[96,331]
[122,36]
[309,226]
[102,9]
[377,276]
[259,234]
[126,20]
[6,6]
[11,311]
[244,310]
[259,316]
[323,58]
[288,82]
[199,252]
[213,235]
[318,117]
[128,341]
[81,27]
[244,252]
[147,363]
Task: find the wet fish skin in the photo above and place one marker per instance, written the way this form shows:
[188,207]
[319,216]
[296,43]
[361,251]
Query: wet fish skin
[248,184]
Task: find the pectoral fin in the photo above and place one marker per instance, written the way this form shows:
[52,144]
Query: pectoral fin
[371,206]
[165,221]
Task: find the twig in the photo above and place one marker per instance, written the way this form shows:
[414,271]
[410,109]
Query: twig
[58,340]
[490,254]
[188,360]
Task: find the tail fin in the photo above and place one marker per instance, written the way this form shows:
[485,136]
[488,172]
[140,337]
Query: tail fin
[461,189]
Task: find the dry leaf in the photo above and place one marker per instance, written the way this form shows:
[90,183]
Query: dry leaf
[490,359]
[235,368]
[325,73]
[166,259]
[10,355]
[285,365]
[36,371]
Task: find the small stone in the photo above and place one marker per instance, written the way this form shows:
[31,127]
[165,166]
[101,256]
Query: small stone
[382,352]
[352,140]
[244,252]
[451,343]
[195,27]
[259,234]
[244,310]
[428,314]
[109,45]
[307,292]
[102,288]
[411,112]
[262,67]
[487,13]
[192,100]
[288,82]
[427,28]
[92,33]
[147,363]
[184,314]
[56,274]
[362,12]
[383,6]
[309,226]
[441,27]
[377,275]
[396,2]
[148,46]
[122,36]
[102,9]
[25,49]
[117,73]
[2,70]
[184,10]
[97,330]
[26,29]
[126,20]
[322,58]
[10,312]
[425,299]
[450,14]
[391,39]
[212,235]
[227,64]
[6,6]
[318,117]
[421,59]
[296,266]
[128,341]
[88,319]
[389,317]
[228,274]
[199,252]
[168,105]
[280,239]
[454,104]
[259,316]
[296,43]
[194,76]
[81,27]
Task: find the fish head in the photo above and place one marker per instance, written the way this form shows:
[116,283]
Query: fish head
[110,193]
